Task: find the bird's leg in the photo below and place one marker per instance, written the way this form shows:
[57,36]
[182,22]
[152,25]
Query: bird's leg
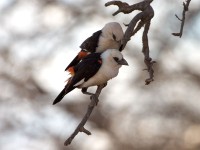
[95,97]
[104,85]
[80,127]
[84,91]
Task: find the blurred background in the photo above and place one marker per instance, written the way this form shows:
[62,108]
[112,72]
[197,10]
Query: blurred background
[38,39]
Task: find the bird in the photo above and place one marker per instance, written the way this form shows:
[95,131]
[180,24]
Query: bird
[109,37]
[94,69]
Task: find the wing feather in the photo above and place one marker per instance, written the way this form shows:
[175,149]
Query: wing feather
[91,43]
[87,68]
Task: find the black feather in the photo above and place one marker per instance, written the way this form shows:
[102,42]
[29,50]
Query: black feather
[87,68]
[59,97]
[62,94]
[74,62]
[91,43]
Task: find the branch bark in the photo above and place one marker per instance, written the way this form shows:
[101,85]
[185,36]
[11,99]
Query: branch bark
[80,128]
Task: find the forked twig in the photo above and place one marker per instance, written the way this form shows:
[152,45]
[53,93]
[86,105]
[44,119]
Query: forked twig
[185,8]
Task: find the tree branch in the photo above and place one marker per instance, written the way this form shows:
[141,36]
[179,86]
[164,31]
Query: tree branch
[148,60]
[126,9]
[185,8]
[80,127]
[141,19]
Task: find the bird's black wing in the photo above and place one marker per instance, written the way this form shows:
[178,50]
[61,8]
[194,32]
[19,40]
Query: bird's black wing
[87,68]
[75,61]
[91,43]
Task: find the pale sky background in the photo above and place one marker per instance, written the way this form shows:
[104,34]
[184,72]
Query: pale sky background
[19,27]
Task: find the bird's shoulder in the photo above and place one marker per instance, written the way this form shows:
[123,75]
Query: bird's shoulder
[91,43]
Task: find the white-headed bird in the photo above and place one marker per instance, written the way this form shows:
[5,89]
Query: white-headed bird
[109,37]
[94,69]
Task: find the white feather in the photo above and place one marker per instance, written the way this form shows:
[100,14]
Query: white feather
[80,82]
[106,40]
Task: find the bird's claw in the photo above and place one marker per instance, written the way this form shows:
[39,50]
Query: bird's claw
[94,100]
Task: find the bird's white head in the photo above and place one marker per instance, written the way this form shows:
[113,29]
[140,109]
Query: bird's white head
[113,57]
[113,31]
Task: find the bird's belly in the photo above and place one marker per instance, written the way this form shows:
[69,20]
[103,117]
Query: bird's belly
[100,78]
[95,80]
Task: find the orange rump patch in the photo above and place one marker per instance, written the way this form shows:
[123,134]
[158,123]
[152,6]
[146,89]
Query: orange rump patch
[71,71]
[82,54]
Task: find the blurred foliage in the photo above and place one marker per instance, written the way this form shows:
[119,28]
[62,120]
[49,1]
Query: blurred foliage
[35,35]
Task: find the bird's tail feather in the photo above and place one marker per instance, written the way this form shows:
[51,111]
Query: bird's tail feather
[62,94]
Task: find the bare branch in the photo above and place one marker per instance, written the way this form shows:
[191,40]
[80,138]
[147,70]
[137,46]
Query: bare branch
[141,19]
[138,27]
[130,30]
[123,7]
[148,61]
[185,8]
[80,127]
[126,9]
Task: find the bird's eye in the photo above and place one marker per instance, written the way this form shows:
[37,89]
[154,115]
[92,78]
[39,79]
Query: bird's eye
[116,59]
[114,37]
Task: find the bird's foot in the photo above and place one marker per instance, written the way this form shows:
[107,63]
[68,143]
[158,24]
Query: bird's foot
[84,91]
[94,100]
[105,84]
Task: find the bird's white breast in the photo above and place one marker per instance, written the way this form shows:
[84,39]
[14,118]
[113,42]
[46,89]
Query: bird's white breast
[104,74]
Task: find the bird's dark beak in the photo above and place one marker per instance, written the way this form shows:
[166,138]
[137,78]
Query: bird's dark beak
[122,62]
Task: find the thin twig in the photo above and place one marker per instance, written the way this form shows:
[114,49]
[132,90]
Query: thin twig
[80,127]
[185,9]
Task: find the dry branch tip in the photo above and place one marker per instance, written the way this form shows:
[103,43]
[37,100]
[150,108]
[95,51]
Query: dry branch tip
[185,9]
